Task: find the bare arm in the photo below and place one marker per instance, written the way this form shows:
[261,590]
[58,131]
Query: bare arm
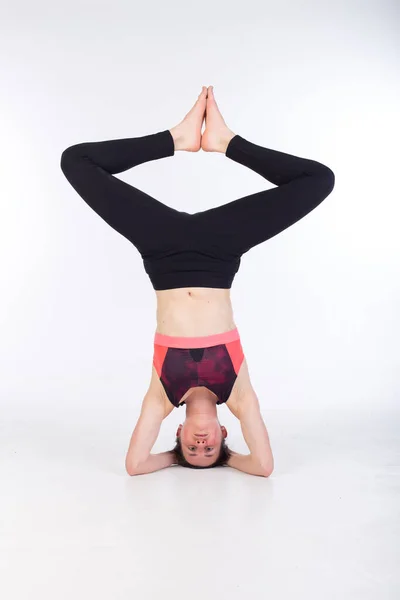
[138,458]
[154,462]
[246,408]
[247,464]
[260,461]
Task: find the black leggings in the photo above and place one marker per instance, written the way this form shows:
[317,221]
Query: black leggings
[203,249]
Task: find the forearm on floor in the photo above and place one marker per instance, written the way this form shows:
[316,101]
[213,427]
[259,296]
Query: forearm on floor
[154,462]
[248,464]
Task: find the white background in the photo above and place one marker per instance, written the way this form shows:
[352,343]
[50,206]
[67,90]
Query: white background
[316,306]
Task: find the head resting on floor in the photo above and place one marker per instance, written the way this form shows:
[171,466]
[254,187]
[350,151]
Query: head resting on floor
[201,440]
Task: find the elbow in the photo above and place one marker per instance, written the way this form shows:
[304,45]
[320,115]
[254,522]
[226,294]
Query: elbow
[266,472]
[130,471]
[131,467]
[267,468]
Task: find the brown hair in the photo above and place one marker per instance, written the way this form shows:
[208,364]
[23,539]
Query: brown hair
[223,457]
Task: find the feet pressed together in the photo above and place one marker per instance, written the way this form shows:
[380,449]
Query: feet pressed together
[216,136]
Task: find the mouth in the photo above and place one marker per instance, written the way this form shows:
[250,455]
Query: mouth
[200,434]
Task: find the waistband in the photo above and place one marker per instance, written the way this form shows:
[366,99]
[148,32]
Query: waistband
[204,341]
[196,271]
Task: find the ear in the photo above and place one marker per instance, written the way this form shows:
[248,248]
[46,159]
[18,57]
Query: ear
[224,432]
[178,432]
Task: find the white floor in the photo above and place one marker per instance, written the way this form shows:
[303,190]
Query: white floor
[325,525]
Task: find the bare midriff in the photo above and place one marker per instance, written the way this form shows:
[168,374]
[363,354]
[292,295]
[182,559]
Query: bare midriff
[194,311]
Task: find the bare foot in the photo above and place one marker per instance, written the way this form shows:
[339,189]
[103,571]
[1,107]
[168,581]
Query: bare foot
[187,134]
[217,134]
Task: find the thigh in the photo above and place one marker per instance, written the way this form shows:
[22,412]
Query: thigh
[149,224]
[91,167]
[146,222]
[246,222]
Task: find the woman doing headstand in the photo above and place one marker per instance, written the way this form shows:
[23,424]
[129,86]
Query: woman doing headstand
[191,260]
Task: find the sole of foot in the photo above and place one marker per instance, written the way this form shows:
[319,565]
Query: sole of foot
[187,134]
[217,134]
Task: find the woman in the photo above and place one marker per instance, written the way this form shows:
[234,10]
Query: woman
[191,260]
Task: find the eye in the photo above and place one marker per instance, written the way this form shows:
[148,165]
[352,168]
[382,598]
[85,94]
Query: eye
[209,449]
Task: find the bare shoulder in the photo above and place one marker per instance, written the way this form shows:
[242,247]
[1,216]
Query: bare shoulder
[156,393]
[243,394]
